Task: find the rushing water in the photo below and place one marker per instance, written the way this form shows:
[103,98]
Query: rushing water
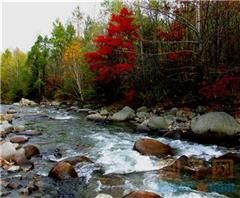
[110,146]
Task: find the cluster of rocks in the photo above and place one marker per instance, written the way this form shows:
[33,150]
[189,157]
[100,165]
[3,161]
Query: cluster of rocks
[198,125]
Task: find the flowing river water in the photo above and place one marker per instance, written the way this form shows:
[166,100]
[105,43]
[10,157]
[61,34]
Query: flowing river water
[110,146]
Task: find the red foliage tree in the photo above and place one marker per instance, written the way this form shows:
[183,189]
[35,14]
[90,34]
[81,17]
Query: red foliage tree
[115,53]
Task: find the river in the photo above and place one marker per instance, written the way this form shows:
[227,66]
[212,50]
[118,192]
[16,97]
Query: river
[66,134]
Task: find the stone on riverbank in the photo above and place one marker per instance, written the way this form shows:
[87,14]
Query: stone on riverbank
[27,102]
[147,146]
[6,117]
[62,171]
[9,150]
[124,114]
[157,123]
[30,133]
[220,123]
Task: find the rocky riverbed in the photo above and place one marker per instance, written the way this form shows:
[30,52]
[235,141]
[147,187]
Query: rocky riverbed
[52,150]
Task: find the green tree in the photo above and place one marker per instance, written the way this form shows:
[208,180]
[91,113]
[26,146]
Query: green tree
[37,61]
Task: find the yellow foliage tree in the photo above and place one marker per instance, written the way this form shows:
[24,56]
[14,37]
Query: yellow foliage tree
[73,63]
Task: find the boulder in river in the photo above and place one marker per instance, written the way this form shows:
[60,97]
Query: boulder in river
[5,128]
[124,114]
[27,102]
[63,170]
[157,123]
[147,146]
[142,194]
[19,128]
[219,123]
[31,150]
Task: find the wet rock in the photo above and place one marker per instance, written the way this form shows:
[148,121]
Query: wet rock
[62,171]
[19,128]
[142,194]
[31,150]
[5,128]
[77,159]
[96,117]
[112,180]
[124,114]
[220,123]
[147,146]
[30,133]
[103,196]
[14,185]
[157,123]
[27,102]
[27,165]
[19,139]
[142,109]
[174,134]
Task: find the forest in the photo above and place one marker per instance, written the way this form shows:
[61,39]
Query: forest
[142,52]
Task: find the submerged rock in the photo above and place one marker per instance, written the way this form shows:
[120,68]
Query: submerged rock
[77,159]
[142,194]
[157,123]
[62,171]
[147,146]
[30,133]
[124,114]
[220,123]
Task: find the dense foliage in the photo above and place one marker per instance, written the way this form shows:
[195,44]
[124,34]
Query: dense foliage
[148,51]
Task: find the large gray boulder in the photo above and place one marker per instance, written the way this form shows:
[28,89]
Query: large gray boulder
[9,150]
[157,123]
[124,114]
[217,122]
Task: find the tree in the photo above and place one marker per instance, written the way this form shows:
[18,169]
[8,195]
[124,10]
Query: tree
[15,75]
[37,61]
[115,53]
[60,38]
